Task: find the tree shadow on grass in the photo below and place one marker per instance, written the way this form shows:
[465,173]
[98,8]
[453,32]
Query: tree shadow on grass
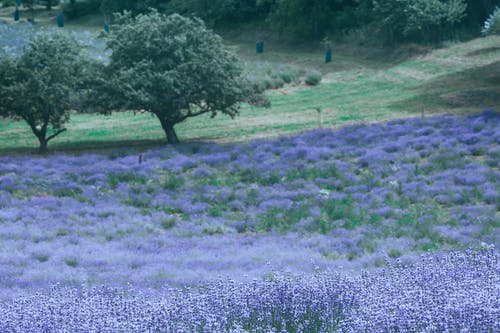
[473,89]
[88,146]
[115,147]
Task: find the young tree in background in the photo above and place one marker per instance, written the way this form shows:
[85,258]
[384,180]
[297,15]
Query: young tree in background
[172,67]
[40,86]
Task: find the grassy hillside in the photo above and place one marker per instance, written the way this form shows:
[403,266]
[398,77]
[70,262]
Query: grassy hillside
[361,84]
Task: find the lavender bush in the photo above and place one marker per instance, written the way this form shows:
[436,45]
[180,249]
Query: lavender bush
[457,292]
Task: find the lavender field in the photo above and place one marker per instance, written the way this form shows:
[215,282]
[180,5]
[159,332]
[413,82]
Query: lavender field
[269,236]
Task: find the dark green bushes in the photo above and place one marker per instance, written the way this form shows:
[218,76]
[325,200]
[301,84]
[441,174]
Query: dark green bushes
[75,9]
[492,24]
[388,21]
[417,20]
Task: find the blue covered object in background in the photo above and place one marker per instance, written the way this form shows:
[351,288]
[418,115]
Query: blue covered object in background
[328,55]
[60,21]
[259,47]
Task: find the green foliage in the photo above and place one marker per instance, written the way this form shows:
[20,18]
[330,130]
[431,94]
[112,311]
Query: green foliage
[280,219]
[211,11]
[172,67]
[339,212]
[8,3]
[395,20]
[417,20]
[394,253]
[313,78]
[310,17]
[135,6]
[71,262]
[130,177]
[173,182]
[49,78]
[215,230]
[168,223]
[75,9]
[68,192]
[492,24]
[42,257]
[214,11]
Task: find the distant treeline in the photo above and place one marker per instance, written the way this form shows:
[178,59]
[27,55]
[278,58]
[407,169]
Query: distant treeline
[387,20]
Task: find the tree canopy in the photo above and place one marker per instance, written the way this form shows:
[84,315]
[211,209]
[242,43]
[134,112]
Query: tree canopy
[172,67]
[40,86]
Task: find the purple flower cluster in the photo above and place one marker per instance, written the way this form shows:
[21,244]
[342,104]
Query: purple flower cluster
[457,292]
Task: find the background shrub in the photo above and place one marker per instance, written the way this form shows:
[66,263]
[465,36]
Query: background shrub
[265,75]
[313,78]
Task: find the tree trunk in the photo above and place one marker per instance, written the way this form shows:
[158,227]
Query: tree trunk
[171,135]
[43,145]
[169,130]
[49,5]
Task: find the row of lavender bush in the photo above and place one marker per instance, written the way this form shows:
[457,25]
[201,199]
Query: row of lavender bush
[457,292]
[316,201]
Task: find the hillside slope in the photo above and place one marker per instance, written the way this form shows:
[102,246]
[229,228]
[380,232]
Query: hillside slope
[359,85]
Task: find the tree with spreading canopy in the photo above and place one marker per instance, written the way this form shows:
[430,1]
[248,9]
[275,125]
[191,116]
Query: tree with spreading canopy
[41,85]
[173,67]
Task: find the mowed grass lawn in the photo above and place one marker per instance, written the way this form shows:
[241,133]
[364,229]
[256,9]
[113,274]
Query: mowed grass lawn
[359,85]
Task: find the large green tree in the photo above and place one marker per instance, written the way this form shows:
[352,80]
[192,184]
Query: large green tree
[172,67]
[40,86]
